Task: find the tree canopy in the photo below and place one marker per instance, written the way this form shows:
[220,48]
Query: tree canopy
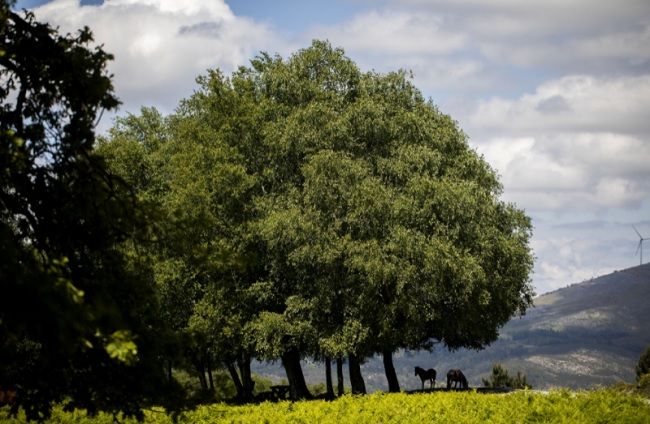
[312,209]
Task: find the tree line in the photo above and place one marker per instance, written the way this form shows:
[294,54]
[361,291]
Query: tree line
[298,208]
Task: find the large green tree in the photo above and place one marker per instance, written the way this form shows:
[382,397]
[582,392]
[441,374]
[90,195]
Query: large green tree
[379,227]
[360,219]
[78,316]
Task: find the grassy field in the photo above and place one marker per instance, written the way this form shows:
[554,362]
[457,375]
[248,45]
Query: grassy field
[563,406]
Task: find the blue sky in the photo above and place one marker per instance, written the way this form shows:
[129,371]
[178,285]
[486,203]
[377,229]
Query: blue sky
[294,16]
[554,94]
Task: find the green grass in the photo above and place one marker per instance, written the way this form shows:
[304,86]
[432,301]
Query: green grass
[563,406]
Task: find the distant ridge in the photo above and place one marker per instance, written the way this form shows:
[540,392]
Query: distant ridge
[584,335]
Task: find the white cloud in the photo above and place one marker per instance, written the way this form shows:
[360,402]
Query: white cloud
[632,46]
[580,172]
[573,103]
[395,33]
[600,54]
[161,46]
[515,17]
[576,143]
[186,7]
[576,35]
[565,274]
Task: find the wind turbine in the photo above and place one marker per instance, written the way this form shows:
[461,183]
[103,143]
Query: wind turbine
[639,247]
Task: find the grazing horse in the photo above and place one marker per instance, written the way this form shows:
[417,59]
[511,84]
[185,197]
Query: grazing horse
[424,375]
[456,376]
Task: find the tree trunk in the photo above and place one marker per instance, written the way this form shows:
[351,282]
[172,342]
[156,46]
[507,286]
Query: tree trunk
[235,379]
[200,369]
[356,379]
[328,377]
[169,370]
[391,375]
[339,375]
[210,375]
[297,386]
[244,364]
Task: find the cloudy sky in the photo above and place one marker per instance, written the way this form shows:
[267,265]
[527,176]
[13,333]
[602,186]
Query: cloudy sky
[554,94]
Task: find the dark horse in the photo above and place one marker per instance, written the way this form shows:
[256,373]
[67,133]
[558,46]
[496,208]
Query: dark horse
[424,375]
[456,376]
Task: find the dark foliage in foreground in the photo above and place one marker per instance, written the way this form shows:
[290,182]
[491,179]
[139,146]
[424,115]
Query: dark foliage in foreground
[78,315]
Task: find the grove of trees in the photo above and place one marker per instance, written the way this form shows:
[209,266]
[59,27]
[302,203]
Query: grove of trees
[309,209]
[298,208]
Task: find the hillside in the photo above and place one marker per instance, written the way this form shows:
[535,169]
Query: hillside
[587,334]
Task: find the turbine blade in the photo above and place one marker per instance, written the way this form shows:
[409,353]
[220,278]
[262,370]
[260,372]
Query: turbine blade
[636,231]
[638,247]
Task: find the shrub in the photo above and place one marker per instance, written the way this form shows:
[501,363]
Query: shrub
[501,378]
[643,385]
[643,367]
